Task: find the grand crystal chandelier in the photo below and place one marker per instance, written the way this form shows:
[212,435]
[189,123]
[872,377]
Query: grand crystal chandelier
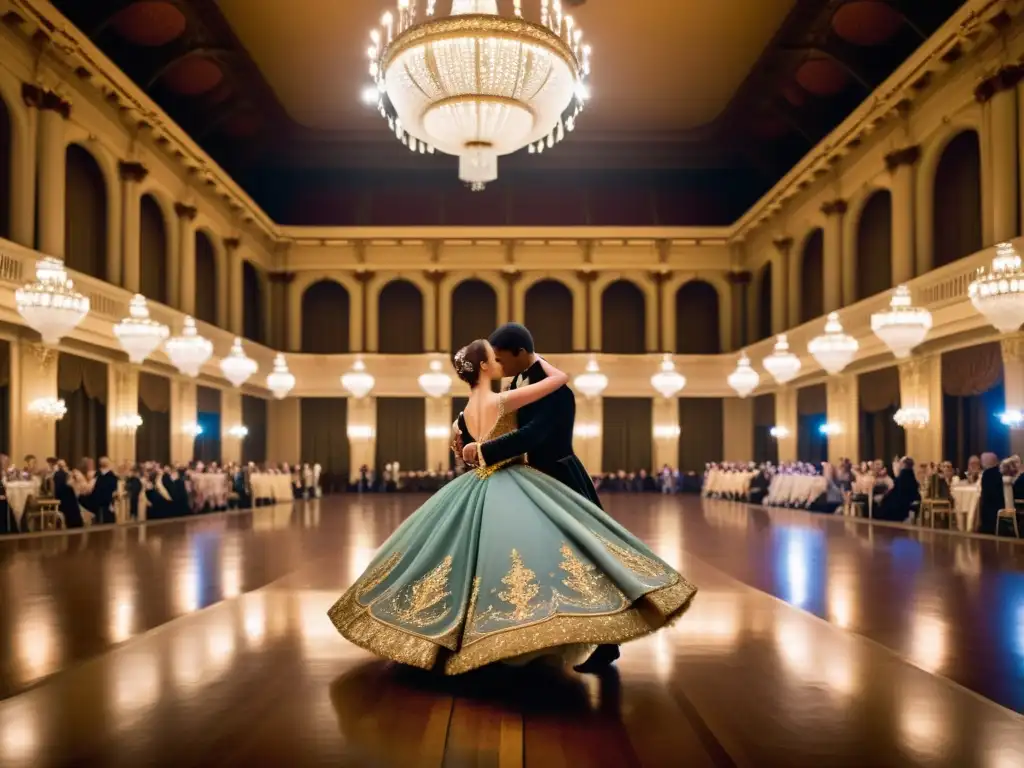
[782,365]
[280,381]
[475,84]
[999,293]
[903,326]
[238,367]
[744,379]
[138,334]
[48,409]
[435,382]
[188,351]
[834,350]
[51,305]
[358,381]
[591,382]
[913,417]
[668,382]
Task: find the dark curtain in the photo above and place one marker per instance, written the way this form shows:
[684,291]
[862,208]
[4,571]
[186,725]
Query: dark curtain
[153,438]
[5,394]
[878,395]
[153,246]
[85,214]
[82,384]
[401,433]
[766,447]
[6,152]
[812,280]
[325,318]
[697,330]
[325,439]
[764,306]
[548,312]
[208,444]
[701,439]
[956,215]
[400,313]
[252,310]
[206,279]
[474,312]
[254,416]
[973,394]
[627,434]
[624,319]
[458,406]
[812,413]
[874,245]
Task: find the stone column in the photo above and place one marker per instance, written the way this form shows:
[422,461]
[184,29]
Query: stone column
[921,387]
[843,412]
[438,434]
[284,430]
[1012,346]
[738,429]
[223,286]
[234,282]
[740,282]
[665,418]
[832,265]
[902,165]
[122,400]
[230,416]
[786,417]
[998,96]
[279,285]
[52,152]
[362,434]
[587,436]
[33,376]
[132,174]
[184,411]
[780,284]
[23,175]
[183,282]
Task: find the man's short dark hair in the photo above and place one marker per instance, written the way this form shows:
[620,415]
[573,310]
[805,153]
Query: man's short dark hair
[512,337]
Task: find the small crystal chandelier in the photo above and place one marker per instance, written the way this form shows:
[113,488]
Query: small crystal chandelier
[238,367]
[51,305]
[779,433]
[781,364]
[435,382]
[358,382]
[744,379]
[668,381]
[128,423]
[238,431]
[834,349]
[999,293]
[913,417]
[1012,418]
[903,326]
[48,408]
[280,381]
[189,351]
[592,382]
[192,428]
[138,334]
[475,84]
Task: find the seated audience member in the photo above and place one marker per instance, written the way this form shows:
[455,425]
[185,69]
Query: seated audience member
[100,501]
[64,492]
[157,489]
[992,498]
[974,470]
[898,503]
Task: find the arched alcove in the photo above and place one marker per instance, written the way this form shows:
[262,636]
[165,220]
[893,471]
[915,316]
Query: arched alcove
[85,214]
[153,249]
[252,303]
[764,302]
[6,158]
[623,319]
[549,315]
[325,318]
[956,207]
[812,278]
[874,245]
[697,319]
[474,312]
[400,324]
[206,279]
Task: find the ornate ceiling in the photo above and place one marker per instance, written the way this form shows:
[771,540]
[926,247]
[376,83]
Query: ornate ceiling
[268,86]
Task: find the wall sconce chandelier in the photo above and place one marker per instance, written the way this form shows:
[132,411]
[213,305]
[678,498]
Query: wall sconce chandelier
[239,432]
[912,417]
[128,423]
[192,429]
[50,409]
[779,433]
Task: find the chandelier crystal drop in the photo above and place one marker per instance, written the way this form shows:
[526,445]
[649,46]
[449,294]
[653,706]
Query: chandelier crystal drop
[592,382]
[744,379]
[238,367]
[358,382]
[280,381]
[912,417]
[51,305]
[188,351]
[138,334]
[998,293]
[834,350]
[668,381]
[476,84]
[903,326]
[782,365]
[435,382]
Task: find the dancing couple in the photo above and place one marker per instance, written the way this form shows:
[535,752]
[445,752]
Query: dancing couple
[514,560]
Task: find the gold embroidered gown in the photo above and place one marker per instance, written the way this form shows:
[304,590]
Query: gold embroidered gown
[505,564]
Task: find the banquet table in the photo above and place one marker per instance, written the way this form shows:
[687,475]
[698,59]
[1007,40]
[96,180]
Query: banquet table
[269,486]
[967,499]
[212,487]
[795,489]
[722,481]
[18,492]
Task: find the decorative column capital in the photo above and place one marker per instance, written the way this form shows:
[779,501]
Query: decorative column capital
[364,276]
[783,245]
[44,100]
[188,212]
[658,276]
[586,276]
[835,207]
[281,278]
[132,171]
[905,156]
[1004,80]
[739,278]
[511,276]
[232,244]
[664,251]
[1012,347]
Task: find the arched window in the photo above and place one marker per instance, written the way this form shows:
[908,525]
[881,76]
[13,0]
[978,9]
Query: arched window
[697,319]
[400,308]
[549,316]
[874,245]
[325,318]
[474,312]
[252,299]
[153,247]
[812,279]
[206,279]
[623,319]
[956,215]
[85,214]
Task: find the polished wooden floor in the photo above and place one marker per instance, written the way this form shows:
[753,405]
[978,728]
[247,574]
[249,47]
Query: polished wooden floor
[814,641]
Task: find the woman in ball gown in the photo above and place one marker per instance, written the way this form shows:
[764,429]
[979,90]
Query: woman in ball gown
[505,563]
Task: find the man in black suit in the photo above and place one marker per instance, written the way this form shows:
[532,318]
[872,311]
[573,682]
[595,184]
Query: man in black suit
[992,498]
[544,436]
[102,497]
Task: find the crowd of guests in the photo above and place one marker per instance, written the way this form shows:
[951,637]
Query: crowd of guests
[92,491]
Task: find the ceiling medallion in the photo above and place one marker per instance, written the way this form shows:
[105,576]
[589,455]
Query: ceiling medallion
[475,84]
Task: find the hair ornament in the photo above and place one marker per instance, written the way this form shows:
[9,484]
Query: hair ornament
[461,363]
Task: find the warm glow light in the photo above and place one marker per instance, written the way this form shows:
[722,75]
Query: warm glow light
[586,430]
[192,429]
[744,379]
[830,429]
[666,431]
[929,642]
[48,408]
[361,432]
[238,431]
[782,365]
[912,417]
[779,433]
[128,422]
[358,382]
[438,432]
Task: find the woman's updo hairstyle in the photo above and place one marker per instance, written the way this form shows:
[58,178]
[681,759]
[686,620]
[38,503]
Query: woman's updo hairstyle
[468,361]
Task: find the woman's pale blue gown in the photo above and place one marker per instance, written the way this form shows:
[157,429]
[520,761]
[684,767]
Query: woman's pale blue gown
[507,564]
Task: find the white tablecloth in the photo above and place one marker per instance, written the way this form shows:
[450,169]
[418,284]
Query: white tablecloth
[268,486]
[18,492]
[210,487]
[722,481]
[967,498]
[795,489]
